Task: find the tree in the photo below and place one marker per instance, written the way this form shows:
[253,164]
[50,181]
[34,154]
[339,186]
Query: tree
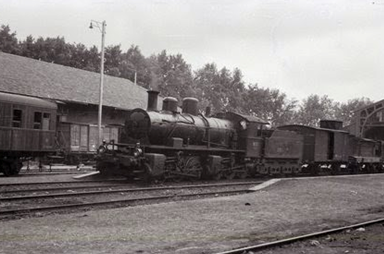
[345,111]
[91,59]
[112,60]
[315,108]
[27,47]
[133,62]
[8,41]
[171,75]
[224,90]
[206,79]
[270,105]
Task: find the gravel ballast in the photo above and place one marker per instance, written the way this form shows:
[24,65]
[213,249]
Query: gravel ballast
[288,207]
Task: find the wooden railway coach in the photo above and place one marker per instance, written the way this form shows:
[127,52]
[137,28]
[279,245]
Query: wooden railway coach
[27,129]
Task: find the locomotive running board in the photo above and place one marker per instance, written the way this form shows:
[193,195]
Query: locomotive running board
[86,175]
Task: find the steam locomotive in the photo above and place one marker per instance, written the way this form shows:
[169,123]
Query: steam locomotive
[168,144]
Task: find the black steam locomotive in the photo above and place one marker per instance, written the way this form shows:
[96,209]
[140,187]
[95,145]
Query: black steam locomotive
[167,144]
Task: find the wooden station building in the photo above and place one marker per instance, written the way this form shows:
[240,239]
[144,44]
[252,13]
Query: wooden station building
[76,93]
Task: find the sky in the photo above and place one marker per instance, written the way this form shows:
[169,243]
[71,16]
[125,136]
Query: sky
[301,47]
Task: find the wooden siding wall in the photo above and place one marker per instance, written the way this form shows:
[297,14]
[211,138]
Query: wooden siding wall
[88,114]
[83,137]
[341,150]
[321,145]
[367,149]
[78,126]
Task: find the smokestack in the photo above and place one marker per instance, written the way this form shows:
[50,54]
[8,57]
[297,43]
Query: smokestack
[152,100]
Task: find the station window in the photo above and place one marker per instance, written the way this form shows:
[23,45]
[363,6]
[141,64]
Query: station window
[37,120]
[17,118]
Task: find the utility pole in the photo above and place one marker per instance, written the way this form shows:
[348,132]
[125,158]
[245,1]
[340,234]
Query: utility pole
[101,26]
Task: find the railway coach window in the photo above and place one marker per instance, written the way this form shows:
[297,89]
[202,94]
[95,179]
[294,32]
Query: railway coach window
[37,120]
[17,118]
[46,121]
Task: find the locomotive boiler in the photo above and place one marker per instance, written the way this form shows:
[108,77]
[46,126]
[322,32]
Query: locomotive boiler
[190,128]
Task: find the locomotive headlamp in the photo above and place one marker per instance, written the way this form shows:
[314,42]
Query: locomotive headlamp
[137,151]
[101,149]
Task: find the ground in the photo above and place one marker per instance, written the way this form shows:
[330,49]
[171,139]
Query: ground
[287,208]
[362,240]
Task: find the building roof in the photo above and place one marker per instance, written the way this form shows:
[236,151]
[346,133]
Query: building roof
[26,76]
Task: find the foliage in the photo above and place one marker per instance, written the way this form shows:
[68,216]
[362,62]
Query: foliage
[270,105]
[345,111]
[221,89]
[8,40]
[171,75]
[315,108]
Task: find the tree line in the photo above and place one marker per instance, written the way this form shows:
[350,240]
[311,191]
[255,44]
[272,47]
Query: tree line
[220,88]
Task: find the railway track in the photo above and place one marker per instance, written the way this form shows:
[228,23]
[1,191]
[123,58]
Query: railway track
[14,206]
[282,242]
[71,182]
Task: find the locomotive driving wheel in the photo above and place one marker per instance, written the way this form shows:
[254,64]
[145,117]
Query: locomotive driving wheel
[230,173]
[193,167]
[16,167]
[6,168]
[11,168]
[242,174]
[218,175]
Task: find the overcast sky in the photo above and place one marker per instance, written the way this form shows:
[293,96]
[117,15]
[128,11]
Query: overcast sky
[301,47]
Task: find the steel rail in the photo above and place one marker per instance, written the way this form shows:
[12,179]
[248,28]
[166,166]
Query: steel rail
[277,243]
[120,201]
[123,190]
[62,188]
[59,182]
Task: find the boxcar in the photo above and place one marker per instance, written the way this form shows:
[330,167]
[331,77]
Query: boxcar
[79,140]
[330,149]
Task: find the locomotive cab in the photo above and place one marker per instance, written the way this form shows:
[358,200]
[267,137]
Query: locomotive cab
[249,134]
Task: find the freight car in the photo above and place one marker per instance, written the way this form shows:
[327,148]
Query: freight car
[331,150]
[167,144]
